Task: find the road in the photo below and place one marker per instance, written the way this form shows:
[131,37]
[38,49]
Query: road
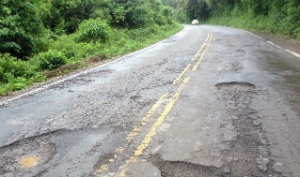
[208,101]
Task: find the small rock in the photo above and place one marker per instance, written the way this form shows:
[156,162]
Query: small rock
[255,123]
[226,170]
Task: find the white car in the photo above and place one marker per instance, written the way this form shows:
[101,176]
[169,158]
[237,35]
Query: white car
[195,22]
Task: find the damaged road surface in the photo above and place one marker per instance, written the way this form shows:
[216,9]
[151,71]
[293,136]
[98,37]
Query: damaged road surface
[208,101]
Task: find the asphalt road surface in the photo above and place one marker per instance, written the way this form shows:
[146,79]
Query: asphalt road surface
[209,101]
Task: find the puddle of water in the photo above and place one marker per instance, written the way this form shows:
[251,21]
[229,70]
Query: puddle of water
[28,161]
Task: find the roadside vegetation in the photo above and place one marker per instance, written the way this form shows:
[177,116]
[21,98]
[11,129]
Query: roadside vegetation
[281,17]
[40,39]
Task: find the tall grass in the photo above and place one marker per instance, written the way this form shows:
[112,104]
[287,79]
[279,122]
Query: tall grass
[260,23]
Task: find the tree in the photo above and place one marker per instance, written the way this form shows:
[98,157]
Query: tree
[20,28]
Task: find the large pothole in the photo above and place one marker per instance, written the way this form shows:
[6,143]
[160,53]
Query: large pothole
[250,150]
[27,153]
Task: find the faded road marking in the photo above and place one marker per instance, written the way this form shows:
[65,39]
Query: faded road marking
[181,74]
[193,59]
[199,51]
[133,133]
[203,54]
[152,132]
[274,44]
[293,53]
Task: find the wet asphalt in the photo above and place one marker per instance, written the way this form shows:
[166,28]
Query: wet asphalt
[208,101]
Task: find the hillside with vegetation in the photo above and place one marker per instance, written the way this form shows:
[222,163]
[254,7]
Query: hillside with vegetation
[45,38]
[273,16]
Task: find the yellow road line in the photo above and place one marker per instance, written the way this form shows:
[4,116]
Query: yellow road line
[196,55]
[194,58]
[152,132]
[133,133]
[203,54]
[181,74]
[208,36]
[199,61]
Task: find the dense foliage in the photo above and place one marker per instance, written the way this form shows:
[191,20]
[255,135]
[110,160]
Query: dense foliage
[20,28]
[39,35]
[180,9]
[276,16]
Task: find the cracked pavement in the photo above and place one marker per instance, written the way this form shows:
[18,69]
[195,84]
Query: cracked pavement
[233,111]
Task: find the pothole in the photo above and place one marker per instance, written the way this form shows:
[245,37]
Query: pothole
[27,153]
[240,53]
[250,149]
[184,169]
[235,86]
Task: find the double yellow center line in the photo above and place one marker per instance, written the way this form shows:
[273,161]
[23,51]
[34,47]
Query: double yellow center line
[204,44]
[132,134]
[204,47]
[140,149]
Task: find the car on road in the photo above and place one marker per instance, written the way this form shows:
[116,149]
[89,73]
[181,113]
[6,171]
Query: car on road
[195,22]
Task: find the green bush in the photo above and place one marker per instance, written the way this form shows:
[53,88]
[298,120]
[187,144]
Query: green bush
[94,30]
[67,45]
[12,67]
[16,74]
[297,33]
[160,20]
[51,60]
[15,83]
[65,16]
[21,31]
